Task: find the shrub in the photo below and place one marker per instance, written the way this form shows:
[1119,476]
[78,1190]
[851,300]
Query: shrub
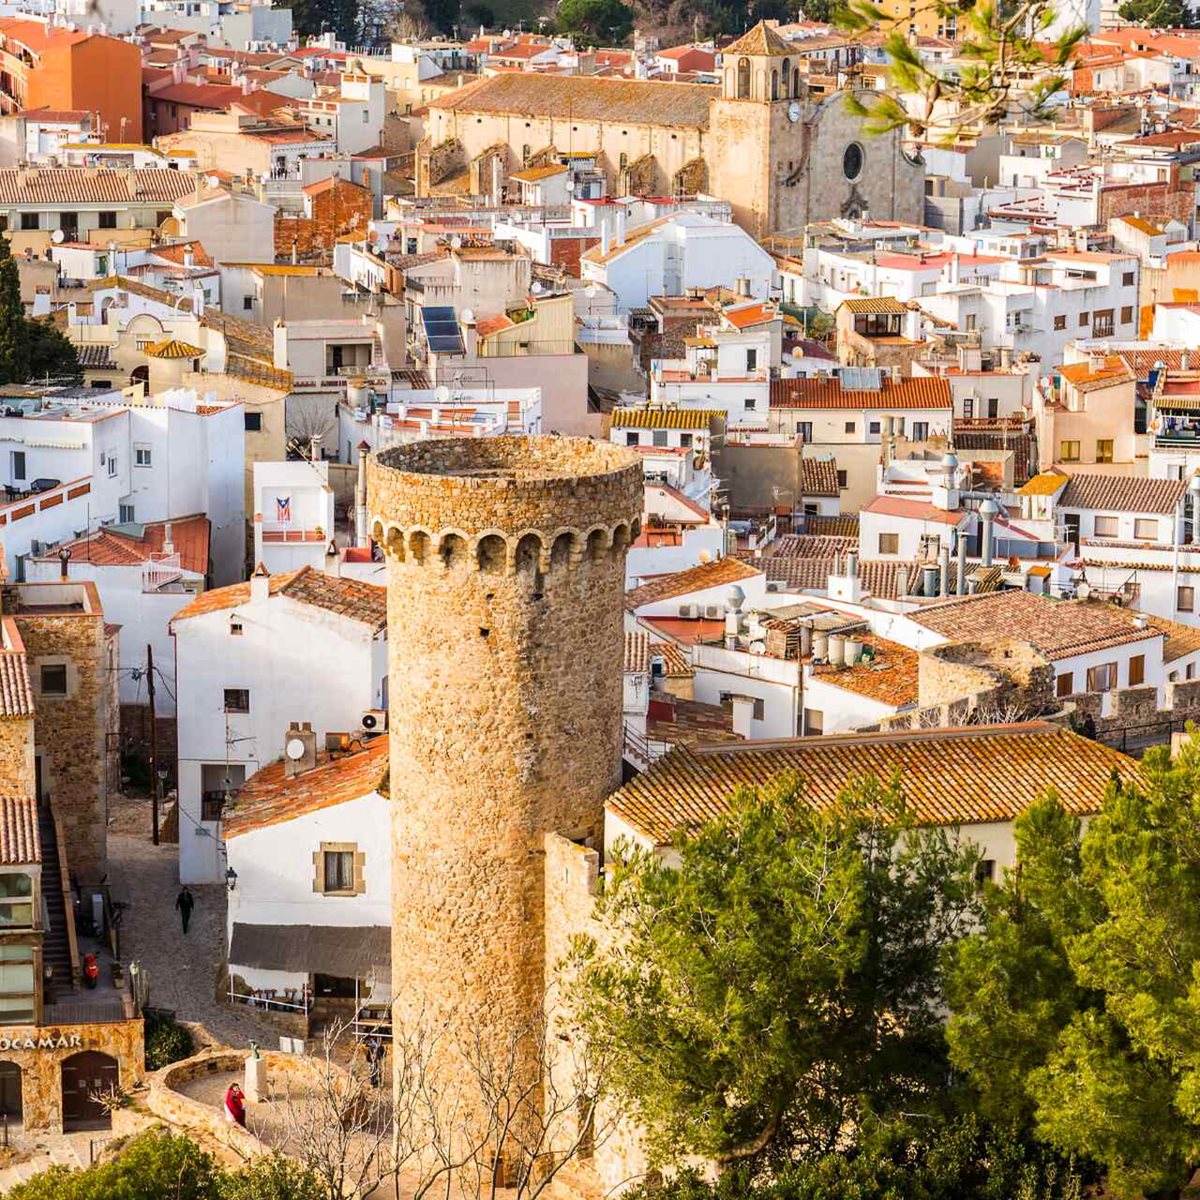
[166,1042]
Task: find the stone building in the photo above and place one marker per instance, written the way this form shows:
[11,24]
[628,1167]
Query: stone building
[59,1047]
[781,157]
[506,571]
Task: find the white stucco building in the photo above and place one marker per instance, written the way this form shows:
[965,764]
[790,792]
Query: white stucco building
[253,658]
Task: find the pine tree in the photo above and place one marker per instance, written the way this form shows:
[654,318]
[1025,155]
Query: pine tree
[14,344]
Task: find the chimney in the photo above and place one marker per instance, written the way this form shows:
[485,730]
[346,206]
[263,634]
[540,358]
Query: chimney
[360,498]
[621,226]
[960,582]
[315,443]
[901,582]
[988,511]
[299,749]
[260,584]
[168,544]
[929,580]
[944,571]
[1183,361]
[189,257]
[64,557]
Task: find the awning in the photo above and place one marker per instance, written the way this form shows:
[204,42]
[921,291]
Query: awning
[349,952]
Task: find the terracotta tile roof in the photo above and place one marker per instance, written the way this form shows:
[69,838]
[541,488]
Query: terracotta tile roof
[1045,484]
[879,305]
[174,348]
[927,392]
[814,545]
[842,525]
[270,797]
[486,326]
[677,664]
[118,548]
[762,39]
[664,418]
[682,722]
[949,776]
[914,510]
[893,677]
[1057,629]
[614,101]
[177,252]
[88,185]
[1142,362]
[536,174]
[39,35]
[694,579]
[96,356]
[16,695]
[750,314]
[819,477]
[1181,639]
[1084,377]
[637,653]
[1123,493]
[812,574]
[350,598]
[19,840]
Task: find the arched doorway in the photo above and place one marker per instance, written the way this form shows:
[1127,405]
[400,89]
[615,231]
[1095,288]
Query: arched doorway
[10,1091]
[85,1077]
[140,375]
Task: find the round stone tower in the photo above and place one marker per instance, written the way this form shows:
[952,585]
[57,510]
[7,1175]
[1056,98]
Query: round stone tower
[506,572]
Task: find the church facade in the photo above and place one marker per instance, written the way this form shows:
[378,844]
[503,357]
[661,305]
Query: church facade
[781,158]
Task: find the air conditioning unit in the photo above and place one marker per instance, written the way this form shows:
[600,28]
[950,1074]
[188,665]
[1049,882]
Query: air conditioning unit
[689,611]
[375,720]
[774,585]
[713,612]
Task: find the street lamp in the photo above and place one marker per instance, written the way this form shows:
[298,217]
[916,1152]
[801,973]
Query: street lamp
[231,878]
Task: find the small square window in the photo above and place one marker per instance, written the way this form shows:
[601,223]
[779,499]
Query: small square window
[1060,322]
[141,456]
[1084,319]
[1106,527]
[1064,685]
[125,513]
[235,626]
[237,700]
[850,427]
[751,404]
[760,708]
[1185,599]
[1068,451]
[1137,670]
[29,220]
[211,804]
[247,303]
[54,679]
[339,870]
[1127,315]
[843,479]
[873,427]
[1104,450]
[1146,529]
[632,438]
[253,422]
[889,543]
[660,437]
[108,220]
[1127,279]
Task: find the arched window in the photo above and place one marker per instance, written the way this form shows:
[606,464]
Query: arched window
[796,81]
[743,79]
[774,85]
[786,74]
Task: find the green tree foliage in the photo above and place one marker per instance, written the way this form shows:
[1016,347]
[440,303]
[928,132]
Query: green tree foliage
[597,22]
[1004,70]
[159,1165]
[166,1042]
[30,350]
[1078,1003]
[272,1177]
[958,1159]
[152,1166]
[1158,14]
[779,980]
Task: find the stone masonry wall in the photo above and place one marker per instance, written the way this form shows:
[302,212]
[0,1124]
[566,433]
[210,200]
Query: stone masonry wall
[17,771]
[505,608]
[71,730]
[41,1050]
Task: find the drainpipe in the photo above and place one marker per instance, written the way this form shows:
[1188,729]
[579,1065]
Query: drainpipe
[961,580]
[360,499]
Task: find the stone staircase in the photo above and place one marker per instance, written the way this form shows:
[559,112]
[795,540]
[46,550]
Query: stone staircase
[56,948]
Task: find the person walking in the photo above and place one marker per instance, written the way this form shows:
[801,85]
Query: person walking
[185,902]
[375,1059]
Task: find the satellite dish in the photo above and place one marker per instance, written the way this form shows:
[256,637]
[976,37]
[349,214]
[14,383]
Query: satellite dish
[213,181]
[591,291]
[295,749]
[468,317]
[456,242]
[536,288]
[570,185]
[442,393]
[58,237]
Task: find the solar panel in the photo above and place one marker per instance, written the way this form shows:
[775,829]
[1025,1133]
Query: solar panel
[441,330]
